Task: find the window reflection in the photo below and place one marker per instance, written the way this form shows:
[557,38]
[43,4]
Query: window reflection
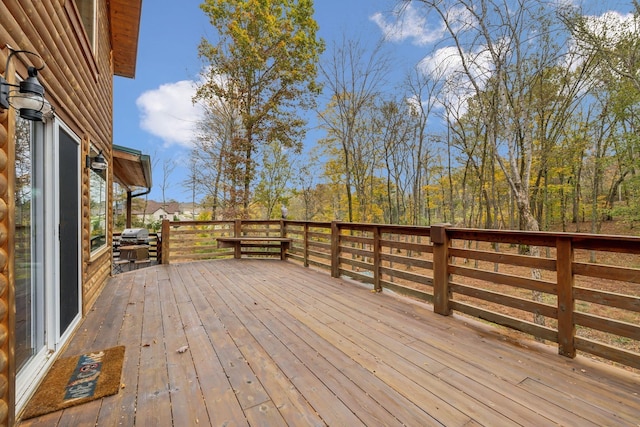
[29,217]
[98,206]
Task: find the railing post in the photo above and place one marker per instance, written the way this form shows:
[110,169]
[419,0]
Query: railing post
[283,234]
[335,249]
[164,242]
[441,292]
[566,301]
[305,254]
[237,232]
[376,259]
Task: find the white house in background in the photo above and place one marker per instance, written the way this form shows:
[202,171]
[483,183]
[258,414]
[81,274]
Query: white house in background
[173,211]
[157,211]
[189,211]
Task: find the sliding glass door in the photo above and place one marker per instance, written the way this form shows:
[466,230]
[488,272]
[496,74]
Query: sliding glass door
[47,246]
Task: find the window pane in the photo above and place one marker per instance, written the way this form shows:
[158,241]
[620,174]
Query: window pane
[28,241]
[98,193]
[86,8]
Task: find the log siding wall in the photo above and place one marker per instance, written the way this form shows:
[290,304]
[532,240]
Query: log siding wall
[78,79]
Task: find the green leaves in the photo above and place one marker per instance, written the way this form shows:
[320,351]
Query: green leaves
[263,63]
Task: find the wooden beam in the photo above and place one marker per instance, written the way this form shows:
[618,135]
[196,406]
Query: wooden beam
[441,291]
[566,300]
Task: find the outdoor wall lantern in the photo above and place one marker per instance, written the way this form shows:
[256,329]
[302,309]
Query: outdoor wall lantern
[97,163]
[28,98]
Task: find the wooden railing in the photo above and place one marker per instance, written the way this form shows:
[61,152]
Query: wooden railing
[582,291]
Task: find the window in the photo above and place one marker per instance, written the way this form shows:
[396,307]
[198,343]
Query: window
[87,12]
[98,205]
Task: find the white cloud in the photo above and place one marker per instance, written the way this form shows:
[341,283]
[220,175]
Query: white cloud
[168,113]
[409,24]
[446,64]
[613,26]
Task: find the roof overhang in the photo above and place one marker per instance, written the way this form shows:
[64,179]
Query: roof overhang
[124,20]
[131,168]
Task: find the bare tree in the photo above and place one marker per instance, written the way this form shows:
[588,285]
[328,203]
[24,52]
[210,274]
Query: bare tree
[353,79]
[217,160]
[396,144]
[498,66]
[191,181]
[168,166]
[423,88]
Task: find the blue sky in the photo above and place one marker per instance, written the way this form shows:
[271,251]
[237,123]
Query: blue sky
[153,112]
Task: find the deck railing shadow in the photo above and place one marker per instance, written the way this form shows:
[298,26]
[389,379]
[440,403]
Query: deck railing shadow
[580,291]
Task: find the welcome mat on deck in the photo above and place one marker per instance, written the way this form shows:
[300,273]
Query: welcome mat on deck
[78,379]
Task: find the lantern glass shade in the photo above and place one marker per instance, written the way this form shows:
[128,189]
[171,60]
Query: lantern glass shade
[28,98]
[30,105]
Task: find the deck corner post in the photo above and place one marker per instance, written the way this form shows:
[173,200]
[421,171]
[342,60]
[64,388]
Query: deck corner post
[377,259]
[283,233]
[335,249]
[566,300]
[164,242]
[441,292]
[306,244]
[237,232]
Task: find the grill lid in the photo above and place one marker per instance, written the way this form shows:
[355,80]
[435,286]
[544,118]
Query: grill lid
[135,234]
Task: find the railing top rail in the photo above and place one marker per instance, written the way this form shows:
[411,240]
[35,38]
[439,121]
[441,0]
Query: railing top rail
[186,223]
[325,224]
[602,242]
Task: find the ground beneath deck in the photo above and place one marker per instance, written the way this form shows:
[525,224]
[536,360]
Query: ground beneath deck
[271,343]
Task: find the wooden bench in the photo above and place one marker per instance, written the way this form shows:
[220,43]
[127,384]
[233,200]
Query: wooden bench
[237,243]
[141,262]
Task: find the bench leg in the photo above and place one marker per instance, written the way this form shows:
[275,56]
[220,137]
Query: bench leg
[238,250]
[283,250]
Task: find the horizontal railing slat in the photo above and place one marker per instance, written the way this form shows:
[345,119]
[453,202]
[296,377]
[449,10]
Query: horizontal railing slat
[610,326]
[505,279]
[610,299]
[407,261]
[631,275]
[506,300]
[504,320]
[605,351]
[502,258]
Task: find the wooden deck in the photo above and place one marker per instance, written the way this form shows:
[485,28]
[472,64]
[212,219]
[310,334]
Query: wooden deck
[272,343]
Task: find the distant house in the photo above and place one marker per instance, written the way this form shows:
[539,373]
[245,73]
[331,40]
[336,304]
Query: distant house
[189,211]
[56,175]
[156,211]
[173,211]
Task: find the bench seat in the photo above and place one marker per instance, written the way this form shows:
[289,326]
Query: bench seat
[254,242]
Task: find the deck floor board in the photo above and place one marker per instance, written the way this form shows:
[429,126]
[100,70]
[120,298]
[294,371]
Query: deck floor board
[273,343]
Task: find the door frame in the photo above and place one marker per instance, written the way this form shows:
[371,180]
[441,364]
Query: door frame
[61,337]
[31,374]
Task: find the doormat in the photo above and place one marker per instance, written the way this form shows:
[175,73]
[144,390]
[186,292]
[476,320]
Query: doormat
[78,379]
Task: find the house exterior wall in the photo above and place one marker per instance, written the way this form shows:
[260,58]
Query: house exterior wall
[6,295]
[79,84]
